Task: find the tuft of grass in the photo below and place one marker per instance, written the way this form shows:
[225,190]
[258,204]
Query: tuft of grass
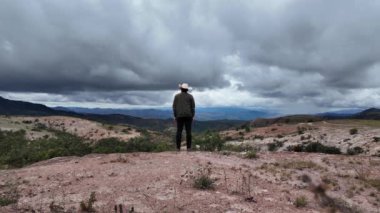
[10,195]
[251,154]
[374,183]
[300,202]
[353,131]
[202,178]
[237,148]
[299,165]
[88,206]
[203,182]
[5,201]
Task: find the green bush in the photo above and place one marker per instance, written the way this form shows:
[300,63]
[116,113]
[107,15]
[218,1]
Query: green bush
[300,202]
[318,147]
[275,145]
[203,182]
[139,144]
[17,151]
[251,154]
[209,141]
[5,201]
[355,151]
[353,131]
[314,147]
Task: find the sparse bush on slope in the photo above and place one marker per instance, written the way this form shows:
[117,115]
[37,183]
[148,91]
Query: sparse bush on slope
[139,144]
[17,151]
[314,147]
[355,151]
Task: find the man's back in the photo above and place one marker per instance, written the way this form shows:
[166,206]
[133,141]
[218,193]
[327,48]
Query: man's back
[183,105]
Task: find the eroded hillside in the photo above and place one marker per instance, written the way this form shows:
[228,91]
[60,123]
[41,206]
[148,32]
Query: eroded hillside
[360,137]
[41,126]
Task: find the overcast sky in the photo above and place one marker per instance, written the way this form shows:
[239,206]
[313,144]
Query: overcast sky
[295,56]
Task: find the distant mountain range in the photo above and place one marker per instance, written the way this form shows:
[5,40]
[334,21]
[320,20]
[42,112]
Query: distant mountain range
[240,116]
[10,107]
[202,113]
[21,108]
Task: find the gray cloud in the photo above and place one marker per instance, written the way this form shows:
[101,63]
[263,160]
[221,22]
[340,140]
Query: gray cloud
[294,51]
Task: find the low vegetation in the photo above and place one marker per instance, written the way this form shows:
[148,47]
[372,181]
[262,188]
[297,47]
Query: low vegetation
[251,154]
[314,147]
[17,151]
[209,141]
[140,144]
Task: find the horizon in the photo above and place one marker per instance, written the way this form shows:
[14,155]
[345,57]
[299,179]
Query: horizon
[272,112]
[291,56]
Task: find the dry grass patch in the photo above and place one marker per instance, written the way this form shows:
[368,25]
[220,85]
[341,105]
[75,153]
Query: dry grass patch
[299,165]
[300,202]
[374,183]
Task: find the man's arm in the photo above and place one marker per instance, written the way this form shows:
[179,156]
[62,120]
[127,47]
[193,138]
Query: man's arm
[192,106]
[175,107]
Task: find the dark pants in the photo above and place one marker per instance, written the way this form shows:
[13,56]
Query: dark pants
[185,121]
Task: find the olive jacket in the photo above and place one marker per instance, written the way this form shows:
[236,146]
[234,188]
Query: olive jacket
[183,105]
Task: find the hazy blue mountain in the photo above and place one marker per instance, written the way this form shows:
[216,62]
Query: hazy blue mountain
[202,113]
[341,113]
[10,107]
[372,114]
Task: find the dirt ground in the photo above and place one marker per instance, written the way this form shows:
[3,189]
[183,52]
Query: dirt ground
[163,182]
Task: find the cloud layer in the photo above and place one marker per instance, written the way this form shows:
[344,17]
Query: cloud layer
[305,55]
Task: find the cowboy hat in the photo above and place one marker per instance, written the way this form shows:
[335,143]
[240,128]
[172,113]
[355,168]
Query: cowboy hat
[184,86]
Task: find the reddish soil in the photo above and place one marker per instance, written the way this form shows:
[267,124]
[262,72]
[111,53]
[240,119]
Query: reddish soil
[163,182]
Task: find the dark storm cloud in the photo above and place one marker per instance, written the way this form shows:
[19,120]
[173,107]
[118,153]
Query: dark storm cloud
[295,50]
[57,46]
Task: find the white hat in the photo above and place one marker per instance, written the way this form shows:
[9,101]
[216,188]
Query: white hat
[184,86]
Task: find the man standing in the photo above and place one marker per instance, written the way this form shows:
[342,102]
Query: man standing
[184,111]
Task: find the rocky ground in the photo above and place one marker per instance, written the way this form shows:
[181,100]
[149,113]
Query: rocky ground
[336,133]
[164,182]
